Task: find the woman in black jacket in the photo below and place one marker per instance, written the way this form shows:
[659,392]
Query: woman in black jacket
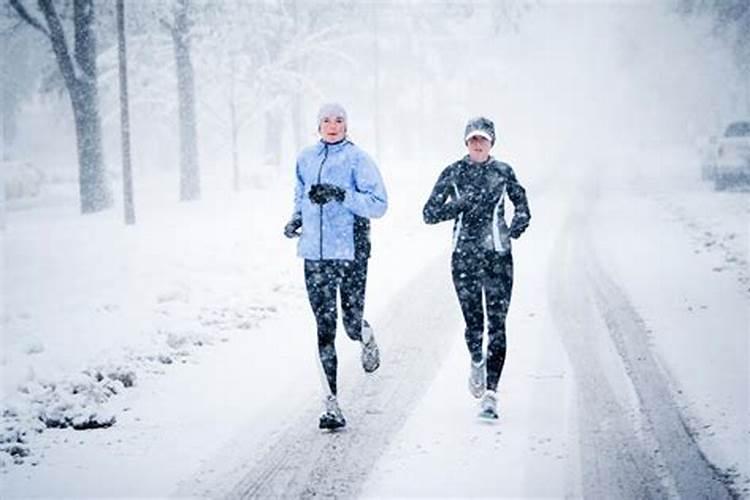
[472,192]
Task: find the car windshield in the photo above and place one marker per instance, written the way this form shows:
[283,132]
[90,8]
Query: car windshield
[738,129]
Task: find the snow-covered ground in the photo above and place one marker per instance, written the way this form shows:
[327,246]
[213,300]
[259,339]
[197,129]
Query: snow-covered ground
[177,357]
[202,308]
[690,286]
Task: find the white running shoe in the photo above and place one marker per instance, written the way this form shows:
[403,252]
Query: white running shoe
[477,379]
[332,418]
[370,351]
[489,405]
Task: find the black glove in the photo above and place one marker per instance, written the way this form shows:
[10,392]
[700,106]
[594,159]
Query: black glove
[291,228]
[332,192]
[516,230]
[321,194]
[314,194]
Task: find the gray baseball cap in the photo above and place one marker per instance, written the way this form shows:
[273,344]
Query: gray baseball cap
[482,127]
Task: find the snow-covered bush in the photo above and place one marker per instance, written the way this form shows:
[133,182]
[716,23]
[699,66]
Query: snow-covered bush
[21,179]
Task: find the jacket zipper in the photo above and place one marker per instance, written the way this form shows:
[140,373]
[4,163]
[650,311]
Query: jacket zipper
[320,171]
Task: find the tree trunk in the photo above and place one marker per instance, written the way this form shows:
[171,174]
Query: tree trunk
[234,126]
[8,102]
[300,67]
[93,186]
[8,127]
[127,175]
[84,97]
[190,185]
[272,143]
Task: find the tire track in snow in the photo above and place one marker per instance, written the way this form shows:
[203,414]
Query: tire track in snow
[634,441]
[305,462]
[692,473]
[614,461]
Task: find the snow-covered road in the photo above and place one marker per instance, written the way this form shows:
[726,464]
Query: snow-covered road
[611,387]
[178,356]
[588,409]
[633,435]
[305,463]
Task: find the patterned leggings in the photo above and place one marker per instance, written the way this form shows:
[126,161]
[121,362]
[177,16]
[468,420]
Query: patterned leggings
[323,279]
[492,273]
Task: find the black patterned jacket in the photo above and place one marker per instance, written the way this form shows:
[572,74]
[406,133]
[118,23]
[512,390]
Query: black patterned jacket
[473,194]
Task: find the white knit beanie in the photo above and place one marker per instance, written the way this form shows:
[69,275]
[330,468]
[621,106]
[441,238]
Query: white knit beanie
[331,110]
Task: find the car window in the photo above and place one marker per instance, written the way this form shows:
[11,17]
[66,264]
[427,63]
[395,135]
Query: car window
[738,129]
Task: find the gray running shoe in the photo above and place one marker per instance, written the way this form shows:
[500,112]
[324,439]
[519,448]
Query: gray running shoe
[489,406]
[332,418]
[370,351]
[477,379]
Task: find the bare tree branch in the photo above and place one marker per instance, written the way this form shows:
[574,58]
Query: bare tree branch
[166,24]
[59,44]
[24,14]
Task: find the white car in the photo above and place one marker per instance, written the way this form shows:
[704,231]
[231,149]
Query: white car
[733,156]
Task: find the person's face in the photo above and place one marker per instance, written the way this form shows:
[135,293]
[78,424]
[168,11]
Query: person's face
[332,129]
[479,148]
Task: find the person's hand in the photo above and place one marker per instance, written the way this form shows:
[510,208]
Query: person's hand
[291,230]
[332,192]
[516,230]
[314,194]
[321,194]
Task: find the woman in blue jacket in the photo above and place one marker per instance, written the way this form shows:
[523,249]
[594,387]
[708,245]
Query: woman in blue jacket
[472,193]
[338,190]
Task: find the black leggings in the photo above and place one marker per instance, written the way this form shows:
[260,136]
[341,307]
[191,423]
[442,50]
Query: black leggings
[322,279]
[491,272]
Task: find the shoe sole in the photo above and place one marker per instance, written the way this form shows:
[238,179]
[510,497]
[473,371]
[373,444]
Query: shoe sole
[488,415]
[371,368]
[330,424]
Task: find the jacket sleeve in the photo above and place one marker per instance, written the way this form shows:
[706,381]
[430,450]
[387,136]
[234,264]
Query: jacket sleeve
[368,198]
[440,207]
[522,215]
[299,193]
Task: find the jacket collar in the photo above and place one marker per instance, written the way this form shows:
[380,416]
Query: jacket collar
[467,161]
[332,147]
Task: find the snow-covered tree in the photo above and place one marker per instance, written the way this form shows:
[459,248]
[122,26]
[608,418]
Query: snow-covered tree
[253,59]
[20,47]
[731,20]
[127,177]
[162,91]
[180,28]
[78,68]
